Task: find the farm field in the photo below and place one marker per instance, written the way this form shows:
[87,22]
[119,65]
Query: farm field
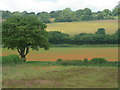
[84,26]
[38,75]
[47,75]
[72,53]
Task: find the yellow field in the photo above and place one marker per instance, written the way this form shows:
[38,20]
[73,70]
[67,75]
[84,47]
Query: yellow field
[84,26]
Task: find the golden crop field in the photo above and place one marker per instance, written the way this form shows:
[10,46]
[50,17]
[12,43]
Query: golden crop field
[84,26]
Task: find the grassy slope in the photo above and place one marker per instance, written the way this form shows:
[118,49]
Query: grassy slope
[36,75]
[84,26]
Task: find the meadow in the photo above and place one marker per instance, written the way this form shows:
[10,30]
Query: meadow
[84,26]
[47,74]
[71,53]
[44,75]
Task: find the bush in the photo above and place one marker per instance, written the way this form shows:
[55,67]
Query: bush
[70,62]
[59,60]
[93,62]
[11,59]
[98,61]
[85,60]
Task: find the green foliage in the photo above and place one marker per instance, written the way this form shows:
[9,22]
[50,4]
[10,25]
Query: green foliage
[116,11]
[100,31]
[44,16]
[87,11]
[59,60]
[85,45]
[117,36]
[67,15]
[98,61]
[100,37]
[16,14]
[22,33]
[100,16]
[70,62]
[86,62]
[11,59]
[57,37]
[6,14]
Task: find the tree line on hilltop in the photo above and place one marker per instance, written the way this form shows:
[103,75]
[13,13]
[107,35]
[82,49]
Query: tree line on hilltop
[67,15]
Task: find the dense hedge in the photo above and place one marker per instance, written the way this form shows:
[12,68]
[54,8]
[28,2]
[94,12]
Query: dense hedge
[99,37]
[86,62]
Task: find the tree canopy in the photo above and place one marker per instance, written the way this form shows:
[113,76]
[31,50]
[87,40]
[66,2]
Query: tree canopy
[22,33]
[67,15]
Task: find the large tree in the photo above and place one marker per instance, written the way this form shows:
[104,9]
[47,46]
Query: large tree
[44,16]
[22,33]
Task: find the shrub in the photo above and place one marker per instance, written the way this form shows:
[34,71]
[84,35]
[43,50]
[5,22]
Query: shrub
[70,62]
[85,60]
[59,60]
[93,62]
[11,59]
[98,61]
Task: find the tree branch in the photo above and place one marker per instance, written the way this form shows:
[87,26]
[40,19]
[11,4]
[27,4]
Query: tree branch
[19,51]
[27,50]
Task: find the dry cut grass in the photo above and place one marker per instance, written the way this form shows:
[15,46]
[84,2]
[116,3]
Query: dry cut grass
[84,26]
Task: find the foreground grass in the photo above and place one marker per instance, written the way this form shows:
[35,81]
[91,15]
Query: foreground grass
[44,75]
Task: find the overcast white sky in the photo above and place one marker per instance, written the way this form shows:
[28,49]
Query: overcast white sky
[50,5]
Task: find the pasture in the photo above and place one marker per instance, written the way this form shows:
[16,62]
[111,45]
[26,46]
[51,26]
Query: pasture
[71,53]
[47,75]
[38,75]
[84,26]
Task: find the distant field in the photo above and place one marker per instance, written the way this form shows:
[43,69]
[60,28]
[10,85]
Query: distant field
[72,53]
[84,26]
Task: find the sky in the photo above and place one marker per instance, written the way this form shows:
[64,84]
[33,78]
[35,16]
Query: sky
[50,5]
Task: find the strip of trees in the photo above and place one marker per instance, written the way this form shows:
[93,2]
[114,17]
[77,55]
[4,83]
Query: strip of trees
[67,15]
[99,37]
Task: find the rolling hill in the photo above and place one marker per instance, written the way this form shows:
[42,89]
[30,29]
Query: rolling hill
[84,26]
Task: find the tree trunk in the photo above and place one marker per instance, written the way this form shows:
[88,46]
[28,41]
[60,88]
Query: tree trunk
[23,57]
[23,52]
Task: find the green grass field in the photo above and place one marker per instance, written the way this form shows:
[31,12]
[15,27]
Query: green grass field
[84,26]
[42,75]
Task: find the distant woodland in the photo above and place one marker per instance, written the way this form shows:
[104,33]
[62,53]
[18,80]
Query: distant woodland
[67,15]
